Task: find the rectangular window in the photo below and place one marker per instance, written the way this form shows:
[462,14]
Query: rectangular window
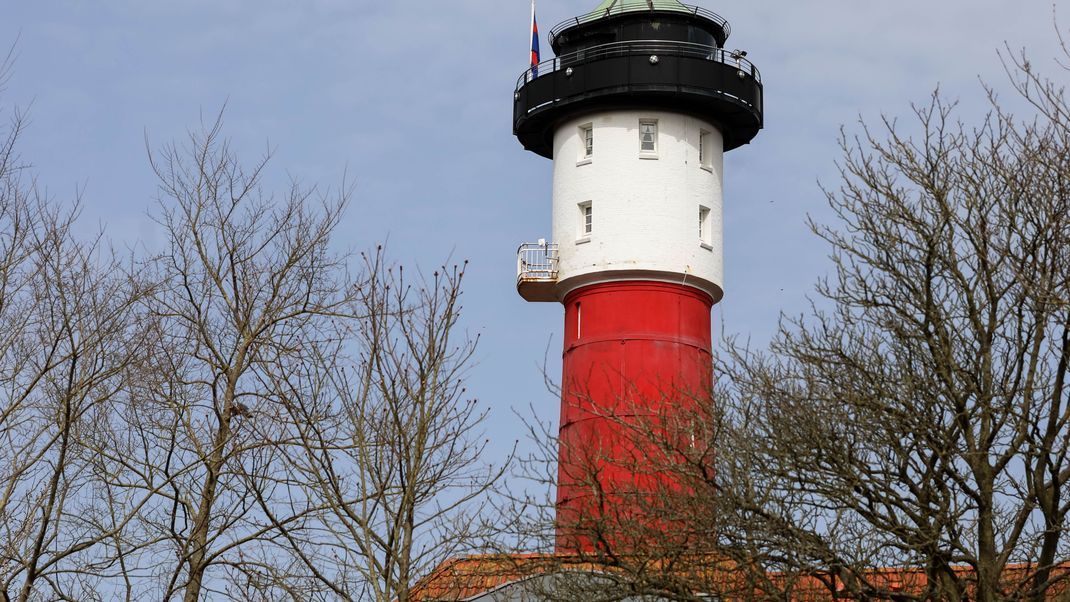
[586,219]
[648,136]
[704,225]
[705,149]
[588,141]
[579,321]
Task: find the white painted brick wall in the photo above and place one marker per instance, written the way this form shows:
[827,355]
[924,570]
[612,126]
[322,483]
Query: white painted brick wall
[645,210]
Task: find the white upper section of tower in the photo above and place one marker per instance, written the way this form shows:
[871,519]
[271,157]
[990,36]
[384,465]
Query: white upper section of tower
[638,195]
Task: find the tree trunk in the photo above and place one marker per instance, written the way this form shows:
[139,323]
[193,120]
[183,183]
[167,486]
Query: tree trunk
[53,486]
[198,542]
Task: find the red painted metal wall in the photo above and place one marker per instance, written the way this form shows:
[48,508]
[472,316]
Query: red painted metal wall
[637,356]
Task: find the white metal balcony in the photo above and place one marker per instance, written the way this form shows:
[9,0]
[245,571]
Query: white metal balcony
[536,271]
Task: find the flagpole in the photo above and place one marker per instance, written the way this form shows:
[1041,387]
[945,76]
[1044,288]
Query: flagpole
[531,46]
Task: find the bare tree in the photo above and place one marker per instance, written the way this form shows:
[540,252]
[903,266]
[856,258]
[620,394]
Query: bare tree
[238,416]
[667,534]
[388,440]
[68,333]
[292,431]
[248,282]
[922,420]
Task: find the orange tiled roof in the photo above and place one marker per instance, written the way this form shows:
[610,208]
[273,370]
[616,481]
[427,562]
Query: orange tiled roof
[463,578]
[913,580]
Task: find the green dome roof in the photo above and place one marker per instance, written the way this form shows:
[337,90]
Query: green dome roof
[616,7]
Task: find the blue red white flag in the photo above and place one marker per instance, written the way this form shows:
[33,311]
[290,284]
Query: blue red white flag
[534,42]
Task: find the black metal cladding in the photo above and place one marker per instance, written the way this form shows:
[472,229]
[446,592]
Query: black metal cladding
[697,80]
[701,27]
[682,67]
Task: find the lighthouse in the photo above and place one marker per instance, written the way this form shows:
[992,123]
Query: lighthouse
[636,111]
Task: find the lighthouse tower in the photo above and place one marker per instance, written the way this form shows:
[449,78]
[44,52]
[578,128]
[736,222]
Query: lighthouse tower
[636,111]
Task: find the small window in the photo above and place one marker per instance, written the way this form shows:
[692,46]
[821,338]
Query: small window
[704,225]
[648,136]
[705,149]
[579,320]
[587,134]
[586,219]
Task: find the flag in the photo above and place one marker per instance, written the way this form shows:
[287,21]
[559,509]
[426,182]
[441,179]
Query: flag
[534,42]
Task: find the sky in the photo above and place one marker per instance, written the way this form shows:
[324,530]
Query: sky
[412,102]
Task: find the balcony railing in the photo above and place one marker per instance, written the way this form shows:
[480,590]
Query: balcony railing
[536,271]
[537,262]
[640,47]
[701,80]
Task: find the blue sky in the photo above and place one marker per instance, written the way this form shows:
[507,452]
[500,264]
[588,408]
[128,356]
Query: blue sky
[413,101]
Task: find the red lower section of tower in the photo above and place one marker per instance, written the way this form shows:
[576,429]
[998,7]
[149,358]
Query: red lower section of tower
[637,362]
